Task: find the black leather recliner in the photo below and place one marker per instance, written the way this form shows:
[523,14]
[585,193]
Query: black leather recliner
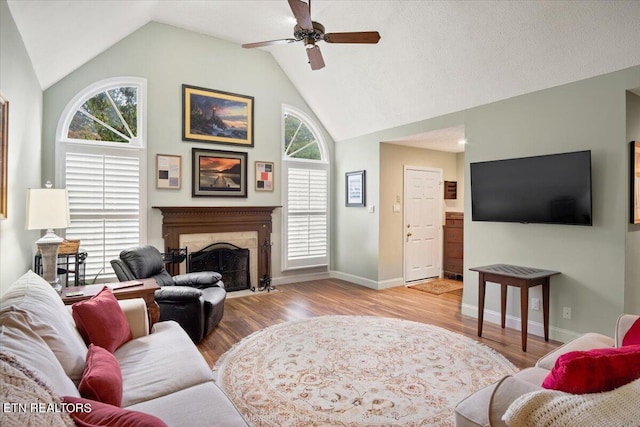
[194,300]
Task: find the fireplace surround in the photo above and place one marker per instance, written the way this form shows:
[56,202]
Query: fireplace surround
[184,220]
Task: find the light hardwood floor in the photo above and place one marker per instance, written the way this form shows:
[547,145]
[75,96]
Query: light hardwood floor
[246,315]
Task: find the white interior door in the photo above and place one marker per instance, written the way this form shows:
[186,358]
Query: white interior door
[422,223]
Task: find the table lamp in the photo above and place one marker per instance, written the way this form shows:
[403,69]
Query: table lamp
[48,208]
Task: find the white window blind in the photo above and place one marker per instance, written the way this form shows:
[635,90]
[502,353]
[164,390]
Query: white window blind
[305,192]
[307,213]
[104,203]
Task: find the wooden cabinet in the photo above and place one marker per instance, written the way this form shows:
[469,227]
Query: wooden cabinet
[453,243]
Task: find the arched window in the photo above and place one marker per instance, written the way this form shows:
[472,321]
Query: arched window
[305,192]
[100,160]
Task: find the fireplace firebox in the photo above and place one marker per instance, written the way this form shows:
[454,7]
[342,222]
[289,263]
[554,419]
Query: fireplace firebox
[231,261]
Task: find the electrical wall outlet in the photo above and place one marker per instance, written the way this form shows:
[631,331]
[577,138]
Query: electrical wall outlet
[566,312]
[535,304]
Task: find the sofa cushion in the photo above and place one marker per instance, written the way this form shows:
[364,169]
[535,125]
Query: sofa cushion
[551,408]
[104,415]
[101,321]
[18,340]
[48,317]
[21,386]
[475,409]
[160,363]
[595,370]
[632,337]
[186,408]
[102,378]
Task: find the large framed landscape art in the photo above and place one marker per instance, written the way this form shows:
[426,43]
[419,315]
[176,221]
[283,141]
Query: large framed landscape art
[217,173]
[214,116]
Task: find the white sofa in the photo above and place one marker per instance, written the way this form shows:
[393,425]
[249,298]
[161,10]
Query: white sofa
[163,372]
[487,406]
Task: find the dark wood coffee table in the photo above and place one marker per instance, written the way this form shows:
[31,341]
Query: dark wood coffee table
[522,277]
[143,288]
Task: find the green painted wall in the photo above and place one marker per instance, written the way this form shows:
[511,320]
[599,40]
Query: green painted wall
[168,57]
[632,278]
[585,115]
[19,85]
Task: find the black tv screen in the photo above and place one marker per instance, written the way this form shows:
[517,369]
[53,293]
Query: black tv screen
[552,189]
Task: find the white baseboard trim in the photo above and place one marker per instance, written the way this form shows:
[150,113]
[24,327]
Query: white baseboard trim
[391,283]
[512,322]
[302,277]
[362,281]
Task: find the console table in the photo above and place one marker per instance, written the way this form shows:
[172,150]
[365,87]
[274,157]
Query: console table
[522,277]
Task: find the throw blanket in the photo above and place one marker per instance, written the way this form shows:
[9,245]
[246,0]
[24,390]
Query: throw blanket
[550,408]
[21,390]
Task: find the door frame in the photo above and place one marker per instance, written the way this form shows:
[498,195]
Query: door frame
[404,214]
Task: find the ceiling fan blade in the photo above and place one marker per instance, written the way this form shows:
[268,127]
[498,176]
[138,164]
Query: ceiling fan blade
[358,37]
[315,58]
[300,10]
[268,43]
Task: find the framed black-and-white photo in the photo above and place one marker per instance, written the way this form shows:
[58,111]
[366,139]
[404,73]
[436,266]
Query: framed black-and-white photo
[355,189]
[217,173]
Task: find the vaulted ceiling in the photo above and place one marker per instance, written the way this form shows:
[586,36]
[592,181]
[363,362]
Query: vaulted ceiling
[435,57]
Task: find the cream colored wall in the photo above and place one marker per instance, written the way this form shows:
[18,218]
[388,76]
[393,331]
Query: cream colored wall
[393,158]
[20,87]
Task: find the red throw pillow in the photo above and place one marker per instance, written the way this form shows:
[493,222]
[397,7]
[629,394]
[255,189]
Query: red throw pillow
[102,378]
[101,321]
[632,337]
[594,371]
[89,413]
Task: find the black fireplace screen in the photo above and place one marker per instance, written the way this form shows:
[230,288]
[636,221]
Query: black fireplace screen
[227,259]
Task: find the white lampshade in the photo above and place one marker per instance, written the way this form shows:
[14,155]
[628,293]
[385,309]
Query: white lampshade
[47,208]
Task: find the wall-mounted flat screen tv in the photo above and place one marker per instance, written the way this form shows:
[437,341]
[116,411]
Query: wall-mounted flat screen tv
[551,189]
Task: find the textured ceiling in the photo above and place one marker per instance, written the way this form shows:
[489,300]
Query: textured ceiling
[435,57]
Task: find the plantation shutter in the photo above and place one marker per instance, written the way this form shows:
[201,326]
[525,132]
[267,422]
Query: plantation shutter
[104,204]
[307,226]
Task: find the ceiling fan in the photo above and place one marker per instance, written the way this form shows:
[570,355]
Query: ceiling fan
[312,32]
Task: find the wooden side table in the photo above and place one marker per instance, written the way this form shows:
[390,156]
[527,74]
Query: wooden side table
[143,288]
[522,277]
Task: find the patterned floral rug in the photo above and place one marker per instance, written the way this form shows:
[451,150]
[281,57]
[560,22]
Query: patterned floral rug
[355,371]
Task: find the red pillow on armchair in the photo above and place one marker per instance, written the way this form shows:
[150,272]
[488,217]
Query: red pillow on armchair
[101,321]
[594,371]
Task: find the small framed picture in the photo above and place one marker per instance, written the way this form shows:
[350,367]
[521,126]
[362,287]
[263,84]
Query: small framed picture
[355,189]
[264,176]
[218,173]
[168,171]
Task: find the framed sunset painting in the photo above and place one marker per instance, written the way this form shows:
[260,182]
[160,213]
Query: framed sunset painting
[214,116]
[218,173]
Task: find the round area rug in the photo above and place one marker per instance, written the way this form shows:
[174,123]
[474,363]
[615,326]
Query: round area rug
[355,371]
